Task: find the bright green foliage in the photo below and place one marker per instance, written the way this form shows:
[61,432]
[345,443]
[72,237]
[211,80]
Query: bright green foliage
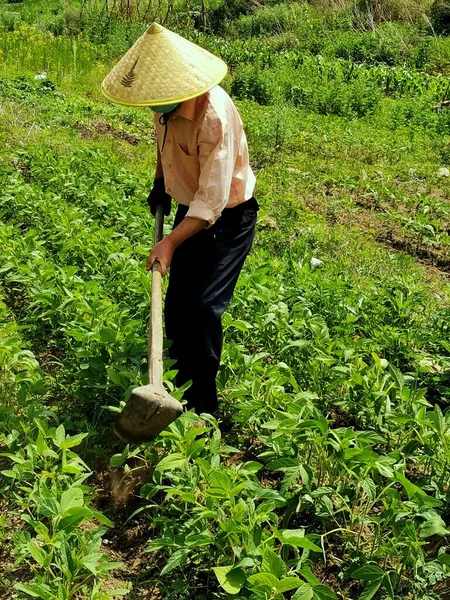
[333,481]
[46,482]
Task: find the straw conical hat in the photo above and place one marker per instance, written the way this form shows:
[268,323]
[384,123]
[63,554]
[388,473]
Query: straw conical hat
[162,68]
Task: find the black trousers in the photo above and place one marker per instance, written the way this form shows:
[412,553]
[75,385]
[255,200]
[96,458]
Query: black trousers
[203,275]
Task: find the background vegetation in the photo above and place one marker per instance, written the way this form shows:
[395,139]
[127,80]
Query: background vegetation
[326,474]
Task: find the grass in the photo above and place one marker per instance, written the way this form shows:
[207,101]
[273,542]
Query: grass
[326,473]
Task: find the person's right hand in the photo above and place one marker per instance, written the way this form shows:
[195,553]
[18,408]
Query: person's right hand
[163,254]
[157,196]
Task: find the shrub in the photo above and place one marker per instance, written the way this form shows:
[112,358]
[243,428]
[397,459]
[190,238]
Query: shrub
[335,97]
[115,35]
[390,44]
[370,12]
[10,20]
[270,130]
[418,116]
[403,10]
[294,25]
[284,41]
[47,14]
[352,46]
[222,12]
[438,55]
[361,97]
[63,55]
[72,21]
[251,83]
[272,20]
[440,17]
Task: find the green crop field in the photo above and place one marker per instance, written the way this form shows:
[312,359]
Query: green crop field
[326,473]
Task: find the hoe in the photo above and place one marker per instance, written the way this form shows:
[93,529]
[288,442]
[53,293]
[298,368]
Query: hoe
[150,409]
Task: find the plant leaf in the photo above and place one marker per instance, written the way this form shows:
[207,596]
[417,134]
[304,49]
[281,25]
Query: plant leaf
[71,498]
[289,583]
[60,435]
[107,334]
[73,440]
[371,589]
[304,592]
[282,464]
[175,560]
[368,572]
[265,579]
[91,561]
[295,537]
[272,563]
[9,473]
[37,553]
[173,461]
[230,578]
[323,592]
[36,590]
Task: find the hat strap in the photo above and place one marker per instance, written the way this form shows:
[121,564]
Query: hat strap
[163,120]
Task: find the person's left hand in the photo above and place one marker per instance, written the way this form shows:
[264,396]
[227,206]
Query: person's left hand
[163,253]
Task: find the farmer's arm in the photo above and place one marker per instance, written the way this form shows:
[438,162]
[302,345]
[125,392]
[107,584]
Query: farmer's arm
[163,251]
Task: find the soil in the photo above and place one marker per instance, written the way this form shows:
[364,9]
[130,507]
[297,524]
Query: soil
[9,573]
[430,256]
[393,237]
[328,574]
[271,479]
[117,488]
[370,218]
[240,457]
[341,418]
[443,589]
[99,127]
[117,497]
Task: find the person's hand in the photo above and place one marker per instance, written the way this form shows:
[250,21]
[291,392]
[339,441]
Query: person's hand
[158,195]
[163,253]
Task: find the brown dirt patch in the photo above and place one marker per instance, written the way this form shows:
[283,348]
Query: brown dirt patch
[371,216]
[329,575]
[118,488]
[9,573]
[443,589]
[341,418]
[239,458]
[390,235]
[117,497]
[271,479]
[99,127]
[434,257]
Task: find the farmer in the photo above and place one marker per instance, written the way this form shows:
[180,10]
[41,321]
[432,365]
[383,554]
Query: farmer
[203,163]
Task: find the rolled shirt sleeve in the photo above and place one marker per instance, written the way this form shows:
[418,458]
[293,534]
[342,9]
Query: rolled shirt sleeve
[217,149]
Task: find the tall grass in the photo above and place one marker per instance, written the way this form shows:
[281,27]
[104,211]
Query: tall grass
[31,49]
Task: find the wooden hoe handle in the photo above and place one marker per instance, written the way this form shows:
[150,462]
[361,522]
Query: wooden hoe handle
[155,329]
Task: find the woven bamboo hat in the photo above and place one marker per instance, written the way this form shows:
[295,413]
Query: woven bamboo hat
[162,68]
